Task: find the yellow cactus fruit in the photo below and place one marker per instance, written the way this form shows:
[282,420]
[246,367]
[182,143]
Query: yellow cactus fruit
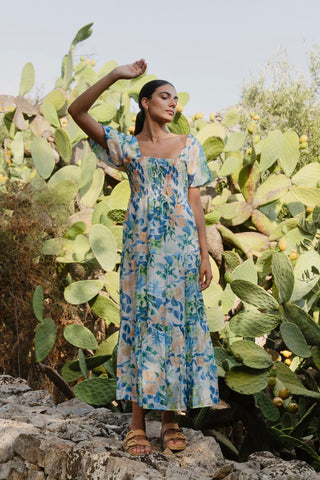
[294,254]
[249,151]
[88,60]
[256,138]
[251,127]
[284,393]
[212,117]
[93,63]
[282,244]
[309,209]
[292,408]
[277,402]
[252,114]
[2,178]
[200,114]
[303,145]
[131,130]
[288,361]
[256,117]
[82,58]
[190,119]
[303,138]
[179,108]
[134,119]
[286,353]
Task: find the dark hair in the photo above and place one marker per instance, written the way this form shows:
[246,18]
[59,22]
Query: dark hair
[147,91]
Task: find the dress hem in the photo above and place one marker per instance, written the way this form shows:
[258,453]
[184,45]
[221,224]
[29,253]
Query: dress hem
[205,404]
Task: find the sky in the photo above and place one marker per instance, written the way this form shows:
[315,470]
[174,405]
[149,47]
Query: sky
[205,47]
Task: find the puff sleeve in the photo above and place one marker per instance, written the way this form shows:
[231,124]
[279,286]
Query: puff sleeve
[197,166]
[114,155]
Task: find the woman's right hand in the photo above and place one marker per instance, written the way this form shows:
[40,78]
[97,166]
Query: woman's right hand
[132,70]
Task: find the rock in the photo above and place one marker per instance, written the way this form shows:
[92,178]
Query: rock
[74,441]
[9,432]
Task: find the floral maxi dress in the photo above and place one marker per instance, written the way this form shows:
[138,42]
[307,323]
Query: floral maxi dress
[165,354]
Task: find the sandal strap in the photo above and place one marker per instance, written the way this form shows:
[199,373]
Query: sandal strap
[174,436]
[135,433]
[134,442]
[170,426]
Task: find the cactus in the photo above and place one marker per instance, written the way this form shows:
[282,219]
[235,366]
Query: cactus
[37,303]
[63,144]
[105,308]
[70,172]
[215,318]
[254,294]
[82,249]
[117,215]
[107,347]
[253,323]
[294,339]
[50,114]
[251,354]
[88,166]
[291,381]
[96,391]
[89,194]
[245,271]
[309,328]
[82,291]
[27,79]
[45,338]
[83,365]
[71,370]
[76,229]
[57,98]
[104,246]
[80,337]
[268,410]
[231,118]
[43,157]
[246,380]
[17,149]
[283,276]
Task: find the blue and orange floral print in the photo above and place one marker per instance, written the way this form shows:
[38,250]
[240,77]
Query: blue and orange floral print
[165,355]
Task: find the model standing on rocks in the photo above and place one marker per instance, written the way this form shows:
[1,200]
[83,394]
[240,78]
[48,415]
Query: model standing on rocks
[165,355]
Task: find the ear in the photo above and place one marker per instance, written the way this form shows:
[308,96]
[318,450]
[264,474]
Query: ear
[145,103]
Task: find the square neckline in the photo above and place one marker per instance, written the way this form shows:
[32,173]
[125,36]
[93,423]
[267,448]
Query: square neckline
[163,158]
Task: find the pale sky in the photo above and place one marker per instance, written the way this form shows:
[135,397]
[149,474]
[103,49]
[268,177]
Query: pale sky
[204,47]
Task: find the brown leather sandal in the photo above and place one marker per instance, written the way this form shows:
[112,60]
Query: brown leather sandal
[130,442]
[175,435]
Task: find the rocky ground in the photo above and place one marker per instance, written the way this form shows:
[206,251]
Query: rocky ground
[73,441]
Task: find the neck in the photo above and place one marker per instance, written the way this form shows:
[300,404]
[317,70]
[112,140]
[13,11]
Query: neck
[153,131]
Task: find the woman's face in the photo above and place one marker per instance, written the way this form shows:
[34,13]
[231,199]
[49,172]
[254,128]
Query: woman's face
[163,103]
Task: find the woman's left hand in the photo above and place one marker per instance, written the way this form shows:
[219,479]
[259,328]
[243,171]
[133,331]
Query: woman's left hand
[205,274]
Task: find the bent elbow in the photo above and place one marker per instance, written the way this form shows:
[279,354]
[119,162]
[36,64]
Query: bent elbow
[70,110]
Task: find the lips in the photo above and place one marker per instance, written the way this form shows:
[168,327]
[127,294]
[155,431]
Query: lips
[170,111]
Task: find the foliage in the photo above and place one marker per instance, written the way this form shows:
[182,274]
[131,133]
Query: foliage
[286,99]
[263,223]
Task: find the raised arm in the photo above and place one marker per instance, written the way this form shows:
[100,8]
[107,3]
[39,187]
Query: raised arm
[79,108]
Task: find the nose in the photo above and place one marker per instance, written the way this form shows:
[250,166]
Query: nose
[173,102]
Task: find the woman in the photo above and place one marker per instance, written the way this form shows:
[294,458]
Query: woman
[165,356]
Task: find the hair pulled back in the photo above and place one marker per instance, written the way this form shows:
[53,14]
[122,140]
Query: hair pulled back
[146,91]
